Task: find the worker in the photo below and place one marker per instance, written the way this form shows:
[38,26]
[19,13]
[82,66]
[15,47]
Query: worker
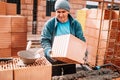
[63,23]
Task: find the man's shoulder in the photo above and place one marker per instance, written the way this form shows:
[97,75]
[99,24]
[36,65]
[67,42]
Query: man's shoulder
[50,23]
[51,19]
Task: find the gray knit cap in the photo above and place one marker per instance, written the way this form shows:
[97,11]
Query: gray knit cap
[62,4]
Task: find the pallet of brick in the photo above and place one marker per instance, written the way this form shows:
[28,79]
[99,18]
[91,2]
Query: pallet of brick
[6,70]
[40,70]
[68,48]
[2,8]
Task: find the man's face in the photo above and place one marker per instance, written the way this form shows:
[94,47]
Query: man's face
[62,15]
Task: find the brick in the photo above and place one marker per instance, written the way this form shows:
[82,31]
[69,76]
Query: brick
[97,23]
[19,39]
[19,24]
[29,12]
[11,9]
[2,8]
[5,52]
[24,12]
[40,7]
[30,18]
[91,13]
[5,41]
[29,2]
[106,14]
[115,24]
[93,54]
[6,71]
[5,23]
[29,7]
[95,33]
[68,48]
[22,1]
[23,6]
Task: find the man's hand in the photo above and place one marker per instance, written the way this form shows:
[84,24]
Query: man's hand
[51,56]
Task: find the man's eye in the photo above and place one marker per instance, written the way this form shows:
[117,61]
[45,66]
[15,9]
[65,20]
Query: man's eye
[63,11]
[58,12]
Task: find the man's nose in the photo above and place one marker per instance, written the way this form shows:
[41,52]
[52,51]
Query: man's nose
[61,14]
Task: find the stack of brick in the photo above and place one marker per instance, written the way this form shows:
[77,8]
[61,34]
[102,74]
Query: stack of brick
[13,30]
[96,36]
[18,34]
[16,70]
[96,32]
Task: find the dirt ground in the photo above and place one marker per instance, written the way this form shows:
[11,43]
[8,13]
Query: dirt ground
[101,74]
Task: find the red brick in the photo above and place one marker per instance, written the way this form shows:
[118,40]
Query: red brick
[19,39]
[2,8]
[5,23]
[11,9]
[19,24]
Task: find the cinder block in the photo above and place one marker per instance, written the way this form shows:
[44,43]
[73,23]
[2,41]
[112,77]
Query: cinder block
[69,48]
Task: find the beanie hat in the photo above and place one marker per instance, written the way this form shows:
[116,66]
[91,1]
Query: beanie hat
[62,4]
